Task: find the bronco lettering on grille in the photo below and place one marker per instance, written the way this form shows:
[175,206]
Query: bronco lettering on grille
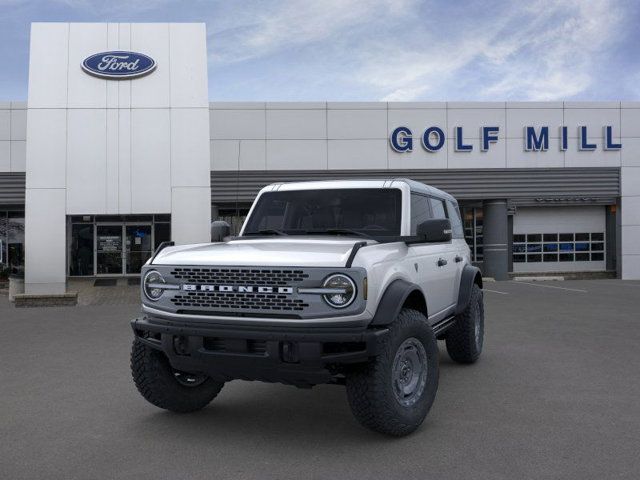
[237,289]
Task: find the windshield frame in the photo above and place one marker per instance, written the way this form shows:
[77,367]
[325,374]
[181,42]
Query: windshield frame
[330,232]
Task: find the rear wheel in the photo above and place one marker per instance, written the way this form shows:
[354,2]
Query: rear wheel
[168,388]
[465,338]
[393,393]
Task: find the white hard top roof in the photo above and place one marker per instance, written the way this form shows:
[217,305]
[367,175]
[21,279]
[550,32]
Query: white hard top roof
[413,185]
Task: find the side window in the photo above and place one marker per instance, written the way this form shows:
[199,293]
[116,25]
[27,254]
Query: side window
[456,221]
[437,206]
[420,211]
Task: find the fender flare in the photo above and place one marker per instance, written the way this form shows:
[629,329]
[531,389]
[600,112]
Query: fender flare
[470,275]
[392,300]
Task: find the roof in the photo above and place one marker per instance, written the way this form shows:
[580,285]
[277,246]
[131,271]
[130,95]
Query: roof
[413,185]
[420,187]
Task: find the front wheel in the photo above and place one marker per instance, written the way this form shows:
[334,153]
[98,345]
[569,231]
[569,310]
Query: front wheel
[393,393]
[165,387]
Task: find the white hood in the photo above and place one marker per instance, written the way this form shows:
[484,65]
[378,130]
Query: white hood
[319,251]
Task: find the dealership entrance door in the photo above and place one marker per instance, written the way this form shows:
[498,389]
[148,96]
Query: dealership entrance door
[122,249]
[114,245]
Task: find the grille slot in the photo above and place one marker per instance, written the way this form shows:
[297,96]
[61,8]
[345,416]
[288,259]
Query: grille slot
[239,301]
[214,344]
[259,347]
[217,344]
[239,276]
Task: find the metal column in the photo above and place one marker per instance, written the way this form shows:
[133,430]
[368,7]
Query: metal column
[496,239]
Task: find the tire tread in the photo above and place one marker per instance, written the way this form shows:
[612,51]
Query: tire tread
[460,338]
[368,387]
[154,380]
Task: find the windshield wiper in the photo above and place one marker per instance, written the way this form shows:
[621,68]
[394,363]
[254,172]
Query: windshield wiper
[339,231]
[269,231]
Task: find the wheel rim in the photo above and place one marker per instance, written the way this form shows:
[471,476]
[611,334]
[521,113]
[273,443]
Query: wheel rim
[189,379]
[409,372]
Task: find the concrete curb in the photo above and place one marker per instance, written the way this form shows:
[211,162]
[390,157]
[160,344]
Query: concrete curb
[539,279]
[23,300]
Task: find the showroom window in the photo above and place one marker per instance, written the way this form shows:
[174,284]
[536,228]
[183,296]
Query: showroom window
[11,242]
[114,244]
[472,220]
[558,247]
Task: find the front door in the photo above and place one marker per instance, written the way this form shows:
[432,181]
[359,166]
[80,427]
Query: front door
[122,249]
[138,247]
[109,250]
[436,272]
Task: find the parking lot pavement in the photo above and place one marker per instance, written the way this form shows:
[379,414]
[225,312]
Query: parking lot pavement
[555,395]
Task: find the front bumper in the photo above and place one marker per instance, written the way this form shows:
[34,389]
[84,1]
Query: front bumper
[302,356]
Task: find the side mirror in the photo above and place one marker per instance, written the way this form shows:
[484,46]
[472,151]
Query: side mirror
[219,230]
[436,230]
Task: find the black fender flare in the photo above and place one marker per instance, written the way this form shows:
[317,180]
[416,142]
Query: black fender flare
[470,275]
[392,301]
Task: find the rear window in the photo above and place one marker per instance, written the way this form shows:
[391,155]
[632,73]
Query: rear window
[420,211]
[437,208]
[456,221]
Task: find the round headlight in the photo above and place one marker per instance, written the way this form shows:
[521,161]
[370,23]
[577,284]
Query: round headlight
[150,285]
[345,290]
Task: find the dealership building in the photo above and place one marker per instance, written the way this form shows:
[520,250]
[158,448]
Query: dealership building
[118,148]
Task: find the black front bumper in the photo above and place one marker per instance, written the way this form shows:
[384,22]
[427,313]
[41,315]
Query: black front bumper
[300,356]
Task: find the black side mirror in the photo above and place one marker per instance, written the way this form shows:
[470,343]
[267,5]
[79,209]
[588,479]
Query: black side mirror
[219,230]
[436,230]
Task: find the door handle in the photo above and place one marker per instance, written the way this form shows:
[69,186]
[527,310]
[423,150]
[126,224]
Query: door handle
[442,262]
[459,258]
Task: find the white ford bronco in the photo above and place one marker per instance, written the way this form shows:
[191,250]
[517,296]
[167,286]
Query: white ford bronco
[342,282]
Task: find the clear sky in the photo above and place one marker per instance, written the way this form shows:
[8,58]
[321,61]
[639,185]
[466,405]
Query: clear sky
[402,50]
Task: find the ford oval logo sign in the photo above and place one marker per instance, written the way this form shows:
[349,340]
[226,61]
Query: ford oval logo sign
[118,65]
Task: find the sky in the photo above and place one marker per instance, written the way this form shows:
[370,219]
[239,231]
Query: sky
[377,50]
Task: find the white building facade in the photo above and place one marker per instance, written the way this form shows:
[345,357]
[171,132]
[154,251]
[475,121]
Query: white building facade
[95,171]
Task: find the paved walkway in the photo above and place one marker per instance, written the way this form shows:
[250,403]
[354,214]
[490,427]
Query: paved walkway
[120,294]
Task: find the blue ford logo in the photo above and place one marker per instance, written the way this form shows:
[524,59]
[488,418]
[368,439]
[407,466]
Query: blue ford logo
[118,65]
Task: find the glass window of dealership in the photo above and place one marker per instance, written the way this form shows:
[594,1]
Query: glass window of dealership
[112,245]
[106,169]
[11,241]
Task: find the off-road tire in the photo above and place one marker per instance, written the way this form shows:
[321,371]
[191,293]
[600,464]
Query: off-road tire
[462,345]
[156,382]
[370,388]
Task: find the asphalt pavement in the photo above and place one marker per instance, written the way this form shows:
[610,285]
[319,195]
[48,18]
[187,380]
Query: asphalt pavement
[556,394]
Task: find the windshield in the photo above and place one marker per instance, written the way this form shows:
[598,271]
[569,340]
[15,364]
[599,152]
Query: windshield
[366,212]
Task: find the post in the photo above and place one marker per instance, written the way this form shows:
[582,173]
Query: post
[495,239]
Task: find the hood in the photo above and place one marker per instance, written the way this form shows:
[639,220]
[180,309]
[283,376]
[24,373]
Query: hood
[319,251]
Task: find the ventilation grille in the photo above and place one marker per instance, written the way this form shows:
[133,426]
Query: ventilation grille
[217,344]
[239,301]
[239,276]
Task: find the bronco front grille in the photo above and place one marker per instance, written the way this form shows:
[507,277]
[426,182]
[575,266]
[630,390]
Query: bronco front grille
[239,276]
[248,291]
[238,301]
